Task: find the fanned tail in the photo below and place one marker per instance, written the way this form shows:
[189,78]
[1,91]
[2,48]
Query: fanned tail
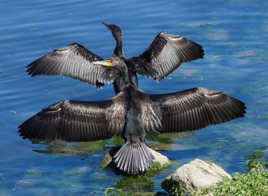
[133,158]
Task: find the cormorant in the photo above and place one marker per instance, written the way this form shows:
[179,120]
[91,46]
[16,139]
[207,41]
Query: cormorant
[163,56]
[131,114]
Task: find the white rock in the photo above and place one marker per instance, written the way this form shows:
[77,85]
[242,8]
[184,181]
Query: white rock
[159,158]
[195,176]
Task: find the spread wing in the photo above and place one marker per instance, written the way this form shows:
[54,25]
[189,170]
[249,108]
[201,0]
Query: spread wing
[76,121]
[74,61]
[164,55]
[191,109]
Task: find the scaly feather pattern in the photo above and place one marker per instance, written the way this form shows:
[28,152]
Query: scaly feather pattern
[77,121]
[166,53]
[74,61]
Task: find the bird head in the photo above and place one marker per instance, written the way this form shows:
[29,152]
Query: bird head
[116,31]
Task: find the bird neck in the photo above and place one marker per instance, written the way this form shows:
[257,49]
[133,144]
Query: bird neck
[126,80]
[123,82]
[118,51]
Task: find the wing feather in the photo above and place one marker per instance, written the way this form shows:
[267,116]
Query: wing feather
[191,109]
[76,121]
[164,55]
[74,61]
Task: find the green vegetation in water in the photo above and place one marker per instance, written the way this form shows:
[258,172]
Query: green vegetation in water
[80,148]
[132,186]
[172,187]
[256,159]
[168,138]
[265,115]
[117,141]
[205,25]
[90,147]
[77,149]
[257,155]
[135,183]
[141,184]
[120,192]
[160,138]
[255,183]
[78,171]
[160,146]
[34,171]
[157,168]
[73,187]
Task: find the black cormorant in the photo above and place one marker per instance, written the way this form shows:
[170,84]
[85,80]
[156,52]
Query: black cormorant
[131,114]
[163,56]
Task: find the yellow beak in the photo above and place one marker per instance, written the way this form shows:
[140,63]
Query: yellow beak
[107,63]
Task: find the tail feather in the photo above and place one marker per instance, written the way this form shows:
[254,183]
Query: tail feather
[133,158]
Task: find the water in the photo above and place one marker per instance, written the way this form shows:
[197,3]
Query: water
[233,33]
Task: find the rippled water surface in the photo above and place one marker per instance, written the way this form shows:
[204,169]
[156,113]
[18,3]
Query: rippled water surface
[234,34]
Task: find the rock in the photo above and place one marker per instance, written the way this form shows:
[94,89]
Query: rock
[160,162]
[193,177]
[106,160]
[159,158]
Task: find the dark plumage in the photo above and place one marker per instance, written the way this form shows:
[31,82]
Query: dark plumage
[132,114]
[164,55]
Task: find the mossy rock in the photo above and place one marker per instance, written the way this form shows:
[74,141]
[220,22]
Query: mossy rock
[140,184]
[172,187]
[106,160]
[160,164]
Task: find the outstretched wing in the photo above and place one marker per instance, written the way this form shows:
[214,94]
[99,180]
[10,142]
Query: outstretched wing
[74,61]
[193,109]
[76,121]
[164,55]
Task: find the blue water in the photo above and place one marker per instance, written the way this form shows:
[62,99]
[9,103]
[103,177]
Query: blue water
[234,34]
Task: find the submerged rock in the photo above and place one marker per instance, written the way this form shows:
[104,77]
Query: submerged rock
[193,177]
